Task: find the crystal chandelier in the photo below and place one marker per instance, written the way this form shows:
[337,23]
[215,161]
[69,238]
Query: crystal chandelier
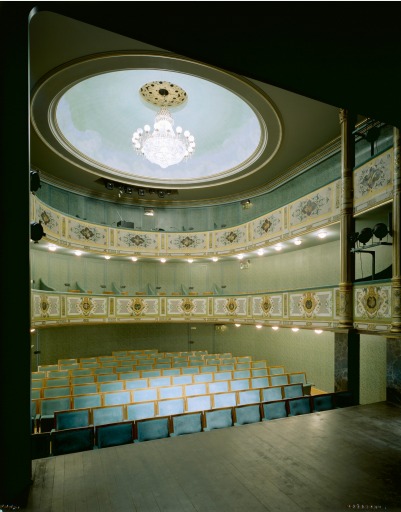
[163,146]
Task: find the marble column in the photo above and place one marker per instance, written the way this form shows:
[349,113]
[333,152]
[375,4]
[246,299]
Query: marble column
[396,279]
[347,122]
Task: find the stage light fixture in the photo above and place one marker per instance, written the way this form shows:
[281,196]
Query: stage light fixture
[365,235]
[109,185]
[36,232]
[34,181]
[380,230]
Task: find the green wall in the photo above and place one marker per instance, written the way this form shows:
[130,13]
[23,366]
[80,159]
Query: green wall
[318,265]
[373,369]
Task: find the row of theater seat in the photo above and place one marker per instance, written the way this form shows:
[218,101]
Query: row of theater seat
[151,402]
[75,431]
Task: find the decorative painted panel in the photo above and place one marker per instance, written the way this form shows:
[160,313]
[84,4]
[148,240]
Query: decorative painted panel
[136,306]
[45,306]
[84,306]
[187,242]
[138,241]
[230,306]
[268,226]
[231,238]
[269,306]
[187,306]
[87,234]
[311,304]
[372,303]
[318,206]
[310,309]
[373,181]
[50,219]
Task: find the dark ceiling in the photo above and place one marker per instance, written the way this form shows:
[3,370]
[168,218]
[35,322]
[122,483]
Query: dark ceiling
[347,54]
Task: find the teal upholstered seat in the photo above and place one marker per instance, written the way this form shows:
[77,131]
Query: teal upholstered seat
[150,373]
[71,440]
[35,394]
[171,406]
[258,364]
[276,370]
[322,402]
[208,368]
[128,375]
[72,418]
[82,379]
[47,408]
[242,366]
[109,414]
[171,392]
[87,401]
[218,387]
[171,371]
[136,384]
[241,374]
[107,377]
[218,418]
[58,374]
[278,380]
[84,389]
[62,381]
[245,414]
[299,406]
[226,367]
[239,384]
[118,385]
[274,410]
[259,372]
[203,377]
[251,396]
[144,395]
[293,390]
[141,411]
[182,379]
[37,383]
[116,397]
[271,393]
[103,370]
[195,389]
[190,371]
[114,434]
[79,372]
[198,403]
[224,400]
[155,428]
[159,381]
[189,423]
[259,382]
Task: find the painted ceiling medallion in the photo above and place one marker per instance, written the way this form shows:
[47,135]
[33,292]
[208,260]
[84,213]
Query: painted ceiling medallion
[163,94]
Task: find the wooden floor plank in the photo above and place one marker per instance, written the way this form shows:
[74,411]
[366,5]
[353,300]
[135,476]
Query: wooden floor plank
[330,461]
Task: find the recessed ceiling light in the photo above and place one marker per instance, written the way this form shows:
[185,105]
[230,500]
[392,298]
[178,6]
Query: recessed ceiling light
[322,234]
[295,329]
[52,247]
[77,253]
[261,252]
[237,325]
[134,258]
[275,327]
[107,257]
[318,331]
[149,212]
[297,241]
[258,326]
[163,260]
[278,247]
[215,259]
[190,260]
[240,256]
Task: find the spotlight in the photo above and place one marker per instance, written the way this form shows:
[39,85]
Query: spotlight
[109,185]
[161,193]
[353,237]
[141,192]
[36,231]
[380,230]
[127,189]
[149,212]
[365,235]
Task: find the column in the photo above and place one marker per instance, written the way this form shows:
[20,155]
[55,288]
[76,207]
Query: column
[347,122]
[396,279]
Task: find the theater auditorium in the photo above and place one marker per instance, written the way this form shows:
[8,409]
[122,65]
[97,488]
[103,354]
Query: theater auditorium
[201,275]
